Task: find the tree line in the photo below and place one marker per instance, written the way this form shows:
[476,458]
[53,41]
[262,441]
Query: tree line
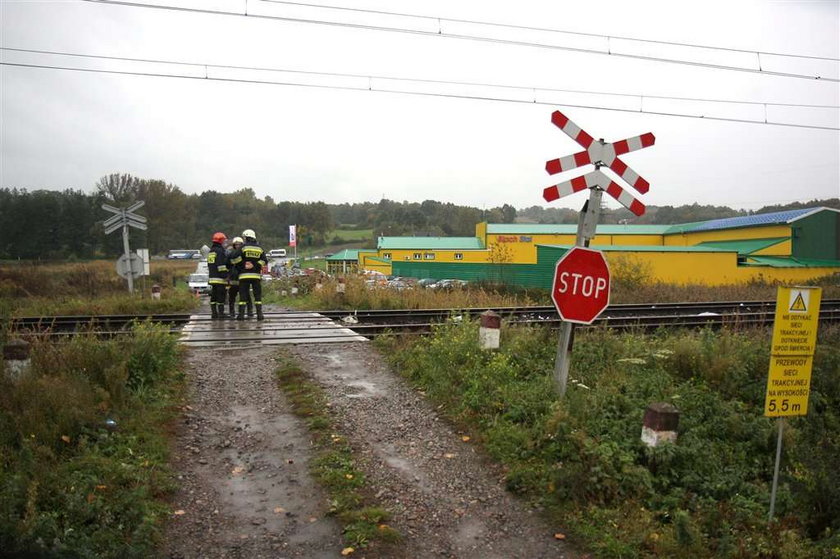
[49,224]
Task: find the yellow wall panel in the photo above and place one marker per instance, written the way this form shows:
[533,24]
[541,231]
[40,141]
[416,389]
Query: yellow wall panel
[690,239]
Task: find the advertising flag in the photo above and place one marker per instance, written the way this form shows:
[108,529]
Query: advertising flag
[292,236]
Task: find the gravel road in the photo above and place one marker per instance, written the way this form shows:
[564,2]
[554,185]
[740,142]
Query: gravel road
[242,461]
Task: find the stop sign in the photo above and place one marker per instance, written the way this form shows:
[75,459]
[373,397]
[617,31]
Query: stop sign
[581,287]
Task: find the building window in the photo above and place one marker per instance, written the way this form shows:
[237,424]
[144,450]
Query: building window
[417,256]
[459,256]
[386,255]
[429,256]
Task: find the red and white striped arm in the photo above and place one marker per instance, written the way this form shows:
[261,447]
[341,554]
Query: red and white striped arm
[624,198]
[571,129]
[628,174]
[570,187]
[634,143]
[569,162]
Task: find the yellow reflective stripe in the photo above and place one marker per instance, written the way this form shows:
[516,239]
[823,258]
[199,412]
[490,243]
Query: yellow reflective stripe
[222,268]
[248,276]
[262,262]
[236,260]
[217,281]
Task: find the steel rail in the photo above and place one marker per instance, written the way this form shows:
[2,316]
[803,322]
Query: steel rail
[272,332]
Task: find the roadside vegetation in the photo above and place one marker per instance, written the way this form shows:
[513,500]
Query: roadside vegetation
[629,285]
[581,458]
[333,466]
[84,447]
[83,288]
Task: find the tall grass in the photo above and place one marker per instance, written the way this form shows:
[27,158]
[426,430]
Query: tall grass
[72,485]
[582,458]
[31,288]
[625,289]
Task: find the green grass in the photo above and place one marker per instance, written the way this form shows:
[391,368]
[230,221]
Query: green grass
[71,486]
[350,235]
[334,466]
[581,458]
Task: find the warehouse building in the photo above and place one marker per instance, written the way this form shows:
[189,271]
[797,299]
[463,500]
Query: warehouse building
[788,246]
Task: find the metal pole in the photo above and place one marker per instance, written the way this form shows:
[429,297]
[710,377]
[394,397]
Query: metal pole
[776,471]
[587,222]
[127,253]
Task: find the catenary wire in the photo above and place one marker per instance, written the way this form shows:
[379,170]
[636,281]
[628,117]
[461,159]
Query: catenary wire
[419,93]
[550,30]
[416,80]
[478,38]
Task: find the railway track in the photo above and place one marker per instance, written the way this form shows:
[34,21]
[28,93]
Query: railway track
[322,325]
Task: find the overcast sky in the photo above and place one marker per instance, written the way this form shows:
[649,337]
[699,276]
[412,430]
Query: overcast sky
[65,129]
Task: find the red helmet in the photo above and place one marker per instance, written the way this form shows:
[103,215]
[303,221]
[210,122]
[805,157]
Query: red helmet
[219,237]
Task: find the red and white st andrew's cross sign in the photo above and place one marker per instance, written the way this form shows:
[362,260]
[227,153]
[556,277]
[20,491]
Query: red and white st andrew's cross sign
[581,287]
[597,153]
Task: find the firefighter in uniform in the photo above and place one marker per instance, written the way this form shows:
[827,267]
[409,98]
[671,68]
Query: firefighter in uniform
[250,260]
[233,279]
[217,267]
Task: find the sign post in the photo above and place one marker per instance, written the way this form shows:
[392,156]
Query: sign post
[600,154]
[123,219]
[791,358]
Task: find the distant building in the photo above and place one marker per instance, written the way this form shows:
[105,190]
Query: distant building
[793,245]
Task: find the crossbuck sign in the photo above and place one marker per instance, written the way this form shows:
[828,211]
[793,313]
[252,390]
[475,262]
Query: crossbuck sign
[598,153]
[123,219]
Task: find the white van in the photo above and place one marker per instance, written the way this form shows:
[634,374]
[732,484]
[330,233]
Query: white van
[277,253]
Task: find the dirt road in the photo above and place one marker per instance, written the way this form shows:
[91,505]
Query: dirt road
[245,490]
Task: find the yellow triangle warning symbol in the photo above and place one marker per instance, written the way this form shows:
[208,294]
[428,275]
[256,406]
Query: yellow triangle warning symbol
[798,303]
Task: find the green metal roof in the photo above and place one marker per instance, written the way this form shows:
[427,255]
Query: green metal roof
[346,254]
[747,246]
[430,243]
[786,262]
[571,229]
[645,248]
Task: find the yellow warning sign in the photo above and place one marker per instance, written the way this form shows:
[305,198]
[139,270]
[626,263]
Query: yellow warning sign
[788,386]
[795,325]
[792,350]
[799,303]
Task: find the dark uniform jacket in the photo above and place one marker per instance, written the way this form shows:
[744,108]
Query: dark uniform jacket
[249,260]
[233,273]
[217,265]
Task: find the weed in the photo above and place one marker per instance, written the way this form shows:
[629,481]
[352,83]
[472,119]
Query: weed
[581,457]
[70,485]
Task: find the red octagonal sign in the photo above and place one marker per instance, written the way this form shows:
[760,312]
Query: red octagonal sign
[581,287]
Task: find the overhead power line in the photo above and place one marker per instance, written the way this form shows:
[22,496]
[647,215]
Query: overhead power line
[527,88]
[549,30]
[368,84]
[608,51]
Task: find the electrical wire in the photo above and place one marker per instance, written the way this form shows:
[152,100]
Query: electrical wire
[479,38]
[370,88]
[417,80]
[550,30]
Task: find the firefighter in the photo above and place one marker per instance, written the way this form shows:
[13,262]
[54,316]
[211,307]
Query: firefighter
[233,279]
[217,267]
[250,260]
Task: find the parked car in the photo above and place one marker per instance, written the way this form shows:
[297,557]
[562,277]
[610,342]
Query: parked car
[426,282]
[199,283]
[449,284]
[183,254]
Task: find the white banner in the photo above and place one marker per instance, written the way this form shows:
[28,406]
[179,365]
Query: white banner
[292,235]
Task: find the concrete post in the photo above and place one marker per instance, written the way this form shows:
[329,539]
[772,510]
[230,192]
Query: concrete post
[660,424]
[340,286]
[489,331]
[16,354]
[156,291]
